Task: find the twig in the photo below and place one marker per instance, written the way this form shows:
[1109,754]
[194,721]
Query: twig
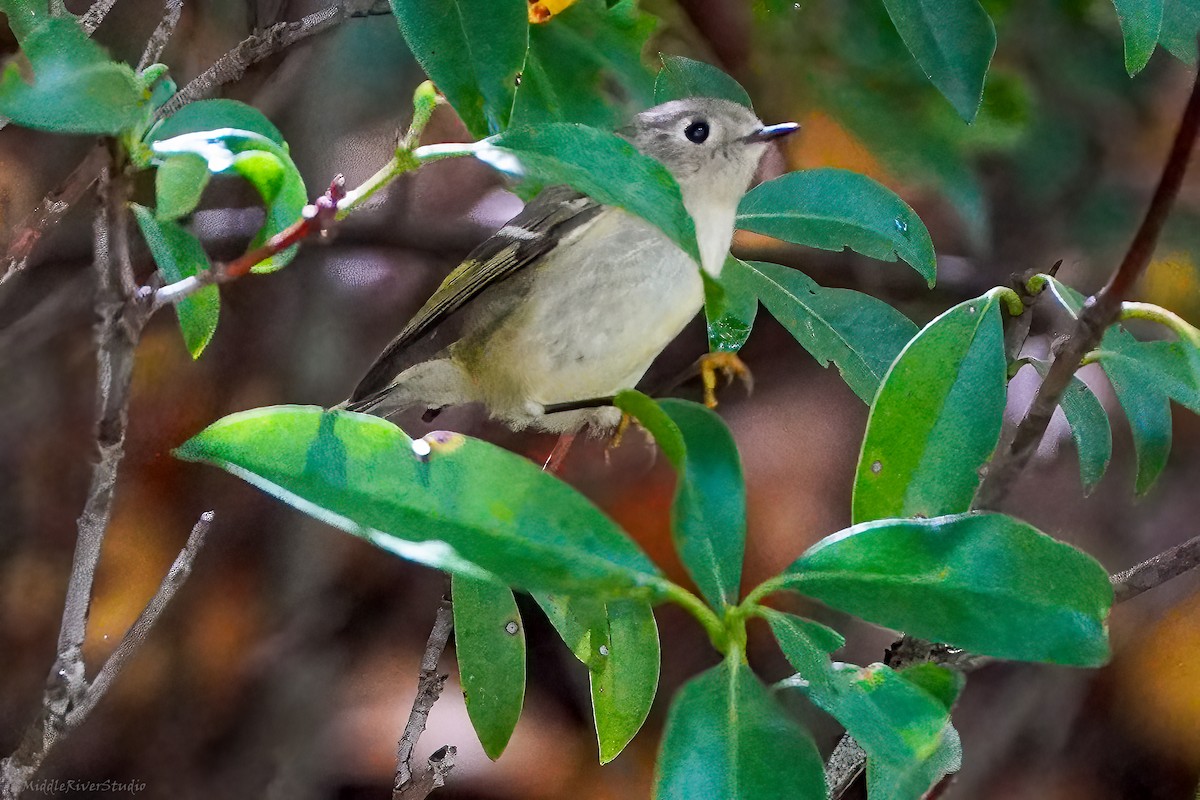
[407,785]
[162,34]
[1100,311]
[176,576]
[51,210]
[92,18]
[231,66]
[1156,570]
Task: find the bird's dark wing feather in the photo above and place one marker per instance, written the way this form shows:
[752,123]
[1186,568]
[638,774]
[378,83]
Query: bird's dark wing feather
[526,238]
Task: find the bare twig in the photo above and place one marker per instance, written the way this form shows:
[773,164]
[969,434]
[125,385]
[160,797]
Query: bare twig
[180,569]
[162,34]
[51,210]
[231,66]
[414,786]
[1156,570]
[1100,311]
[92,18]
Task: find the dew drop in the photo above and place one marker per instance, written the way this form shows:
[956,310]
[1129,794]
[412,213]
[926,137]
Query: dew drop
[511,628]
[901,226]
[421,449]
[970,309]
[877,467]
[603,649]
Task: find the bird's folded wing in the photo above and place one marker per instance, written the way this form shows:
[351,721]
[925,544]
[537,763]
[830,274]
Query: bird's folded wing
[538,229]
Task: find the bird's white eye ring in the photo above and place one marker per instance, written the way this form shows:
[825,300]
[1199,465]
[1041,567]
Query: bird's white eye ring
[697,132]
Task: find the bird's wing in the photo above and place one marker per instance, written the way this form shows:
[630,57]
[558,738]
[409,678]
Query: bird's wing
[545,221]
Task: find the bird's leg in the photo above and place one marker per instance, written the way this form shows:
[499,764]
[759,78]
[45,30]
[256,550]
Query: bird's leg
[730,366]
[619,433]
[558,455]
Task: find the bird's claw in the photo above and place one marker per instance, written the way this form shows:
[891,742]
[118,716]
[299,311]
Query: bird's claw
[729,365]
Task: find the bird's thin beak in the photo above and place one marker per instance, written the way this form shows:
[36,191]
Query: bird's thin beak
[769,133]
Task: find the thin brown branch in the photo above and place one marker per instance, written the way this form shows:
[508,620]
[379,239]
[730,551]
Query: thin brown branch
[1100,311]
[1156,570]
[410,785]
[180,569]
[52,209]
[233,65]
[92,18]
[162,34]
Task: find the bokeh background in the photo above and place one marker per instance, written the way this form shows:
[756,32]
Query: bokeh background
[287,664]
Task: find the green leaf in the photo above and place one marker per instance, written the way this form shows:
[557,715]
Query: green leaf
[211,115]
[618,642]
[257,159]
[447,501]
[1181,23]
[858,333]
[178,184]
[601,165]
[681,78]
[806,644]
[489,641]
[178,255]
[905,780]
[1171,367]
[892,718]
[64,82]
[833,209]
[936,419]
[943,684]
[1141,21]
[953,42]
[730,306]
[473,50]
[1089,428]
[1146,406]
[585,66]
[708,516]
[625,679]
[727,738]
[980,581]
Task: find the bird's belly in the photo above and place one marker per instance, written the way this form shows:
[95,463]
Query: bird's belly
[589,332]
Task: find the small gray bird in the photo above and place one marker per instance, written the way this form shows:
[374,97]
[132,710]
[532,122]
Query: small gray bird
[573,300]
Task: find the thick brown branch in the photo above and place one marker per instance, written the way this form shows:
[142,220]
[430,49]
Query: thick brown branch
[233,65]
[51,210]
[1100,311]
[410,785]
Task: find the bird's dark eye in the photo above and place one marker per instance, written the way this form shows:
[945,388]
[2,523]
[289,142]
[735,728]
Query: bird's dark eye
[696,132]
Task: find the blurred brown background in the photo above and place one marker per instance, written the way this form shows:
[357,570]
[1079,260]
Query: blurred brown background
[287,664]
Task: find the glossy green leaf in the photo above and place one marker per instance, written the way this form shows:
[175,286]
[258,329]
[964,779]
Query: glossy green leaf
[601,165]
[178,184]
[447,501]
[682,77]
[953,42]
[259,160]
[708,516]
[912,779]
[489,641]
[940,682]
[892,718]
[1141,21]
[625,678]
[211,115]
[1089,428]
[178,255]
[1180,25]
[62,81]
[727,738]
[858,333]
[473,50]
[730,306]
[936,418]
[806,645]
[618,641]
[1171,367]
[984,582]
[834,209]
[585,66]
[1147,407]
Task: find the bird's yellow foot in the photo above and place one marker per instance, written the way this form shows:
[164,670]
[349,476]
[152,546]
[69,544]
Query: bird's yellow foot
[619,433]
[727,364]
